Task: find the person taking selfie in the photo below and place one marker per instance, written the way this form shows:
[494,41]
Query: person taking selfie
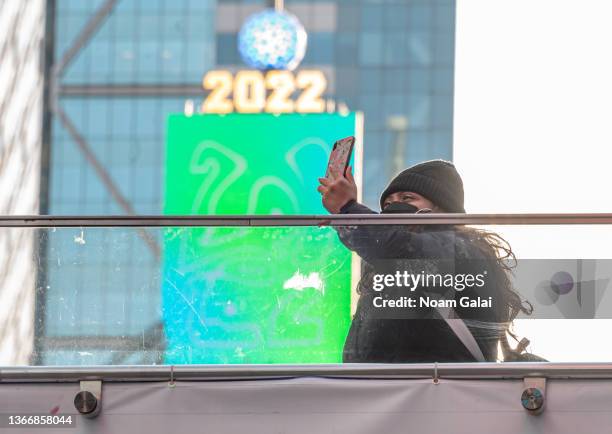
[424,335]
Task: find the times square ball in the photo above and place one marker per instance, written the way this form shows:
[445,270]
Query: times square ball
[272,40]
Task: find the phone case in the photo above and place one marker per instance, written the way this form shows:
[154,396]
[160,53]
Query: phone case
[339,157]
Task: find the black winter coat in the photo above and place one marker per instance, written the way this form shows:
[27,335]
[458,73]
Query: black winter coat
[419,338]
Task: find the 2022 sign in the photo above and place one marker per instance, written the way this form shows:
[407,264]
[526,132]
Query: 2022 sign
[251,91]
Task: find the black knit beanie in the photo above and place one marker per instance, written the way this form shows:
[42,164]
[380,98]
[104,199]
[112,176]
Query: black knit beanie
[436,180]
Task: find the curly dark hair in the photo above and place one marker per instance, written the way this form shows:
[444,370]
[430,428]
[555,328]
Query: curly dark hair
[494,246]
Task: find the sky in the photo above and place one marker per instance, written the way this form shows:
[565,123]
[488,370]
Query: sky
[533,134]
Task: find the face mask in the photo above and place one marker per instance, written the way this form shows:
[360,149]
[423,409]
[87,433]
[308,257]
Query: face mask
[399,208]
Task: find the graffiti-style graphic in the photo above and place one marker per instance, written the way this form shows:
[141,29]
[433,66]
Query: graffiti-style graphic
[253,295]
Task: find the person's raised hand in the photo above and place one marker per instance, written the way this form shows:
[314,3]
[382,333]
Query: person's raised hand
[337,193]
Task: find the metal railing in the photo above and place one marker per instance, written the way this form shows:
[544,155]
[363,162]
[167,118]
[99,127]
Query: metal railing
[508,370]
[306,220]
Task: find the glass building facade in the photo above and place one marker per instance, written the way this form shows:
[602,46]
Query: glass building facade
[121,67]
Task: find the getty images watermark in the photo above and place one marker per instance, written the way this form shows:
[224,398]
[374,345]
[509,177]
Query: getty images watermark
[556,288]
[426,281]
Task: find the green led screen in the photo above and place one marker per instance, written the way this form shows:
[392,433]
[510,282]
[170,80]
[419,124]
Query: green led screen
[253,295]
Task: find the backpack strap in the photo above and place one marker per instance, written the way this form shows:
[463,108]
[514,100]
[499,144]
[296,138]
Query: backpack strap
[461,330]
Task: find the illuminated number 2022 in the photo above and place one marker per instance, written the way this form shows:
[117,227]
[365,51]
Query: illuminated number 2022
[249,89]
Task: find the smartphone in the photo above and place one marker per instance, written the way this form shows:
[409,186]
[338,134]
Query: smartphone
[339,158]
